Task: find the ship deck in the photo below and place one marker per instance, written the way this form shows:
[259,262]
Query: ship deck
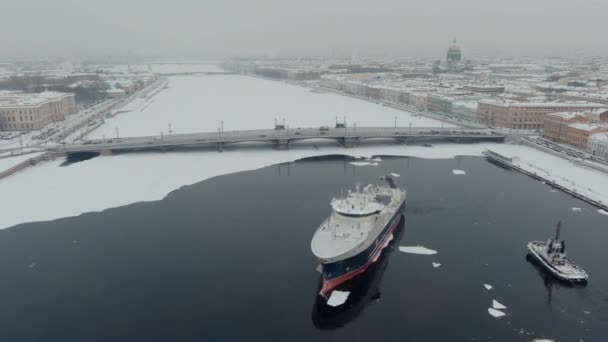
[563,268]
[338,235]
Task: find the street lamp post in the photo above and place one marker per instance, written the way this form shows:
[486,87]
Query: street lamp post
[395,122]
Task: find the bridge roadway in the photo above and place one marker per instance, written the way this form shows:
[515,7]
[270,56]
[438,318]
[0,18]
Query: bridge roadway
[280,138]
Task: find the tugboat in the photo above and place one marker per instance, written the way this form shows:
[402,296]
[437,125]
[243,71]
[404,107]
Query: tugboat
[551,254]
[360,225]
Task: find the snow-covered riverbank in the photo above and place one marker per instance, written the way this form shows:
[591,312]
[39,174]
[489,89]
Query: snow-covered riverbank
[569,174]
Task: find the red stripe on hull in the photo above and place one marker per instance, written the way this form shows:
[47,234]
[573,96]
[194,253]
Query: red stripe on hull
[329,285]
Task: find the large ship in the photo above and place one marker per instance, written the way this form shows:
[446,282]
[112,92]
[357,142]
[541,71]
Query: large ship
[551,254]
[359,227]
[364,290]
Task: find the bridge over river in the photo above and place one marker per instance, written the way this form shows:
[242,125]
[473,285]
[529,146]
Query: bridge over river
[281,138]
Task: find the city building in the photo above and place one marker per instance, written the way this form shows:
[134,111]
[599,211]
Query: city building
[115,93]
[466,110]
[577,134]
[438,103]
[524,115]
[598,145]
[589,96]
[418,100]
[555,124]
[454,54]
[485,88]
[30,111]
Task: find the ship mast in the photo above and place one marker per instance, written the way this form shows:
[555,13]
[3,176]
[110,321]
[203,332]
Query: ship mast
[558,231]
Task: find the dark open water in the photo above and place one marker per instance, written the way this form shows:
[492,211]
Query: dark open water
[229,259]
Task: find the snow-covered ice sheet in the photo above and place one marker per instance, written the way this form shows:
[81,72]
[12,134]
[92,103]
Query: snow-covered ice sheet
[417,250]
[488,286]
[459,172]
[136,177]
[337,298]
[497,305]
[363,164]
[496,313]
[603,212]
[577,209]
[199,103]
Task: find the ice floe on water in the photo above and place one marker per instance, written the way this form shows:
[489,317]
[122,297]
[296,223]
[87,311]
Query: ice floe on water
[498,306]
[459,172]
[436,264]
[32,265]
[337,298]
[363,163]
[542,340]
[488,286]
[577,209]
[417,250]
[603,212]
[377,159]
[395,175]
[496,313]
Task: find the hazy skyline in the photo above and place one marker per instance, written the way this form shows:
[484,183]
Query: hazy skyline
[226,28]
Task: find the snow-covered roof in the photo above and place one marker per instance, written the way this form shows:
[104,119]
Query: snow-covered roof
[509,103]
[566,115]
[599,137]
[586,127]
[115,91]
[15,99]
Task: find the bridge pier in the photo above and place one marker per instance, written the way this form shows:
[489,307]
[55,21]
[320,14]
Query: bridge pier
[105,152]
[282,144]
[349,142]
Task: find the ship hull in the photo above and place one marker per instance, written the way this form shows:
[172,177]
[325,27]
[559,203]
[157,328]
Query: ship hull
[339,272]
[554,271]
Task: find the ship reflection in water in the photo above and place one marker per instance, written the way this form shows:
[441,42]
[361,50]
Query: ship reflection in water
[549,280]
[364,289]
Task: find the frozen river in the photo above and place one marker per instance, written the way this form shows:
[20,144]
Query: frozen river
[199,103]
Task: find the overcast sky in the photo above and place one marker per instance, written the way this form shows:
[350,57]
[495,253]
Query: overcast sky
[223,28]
